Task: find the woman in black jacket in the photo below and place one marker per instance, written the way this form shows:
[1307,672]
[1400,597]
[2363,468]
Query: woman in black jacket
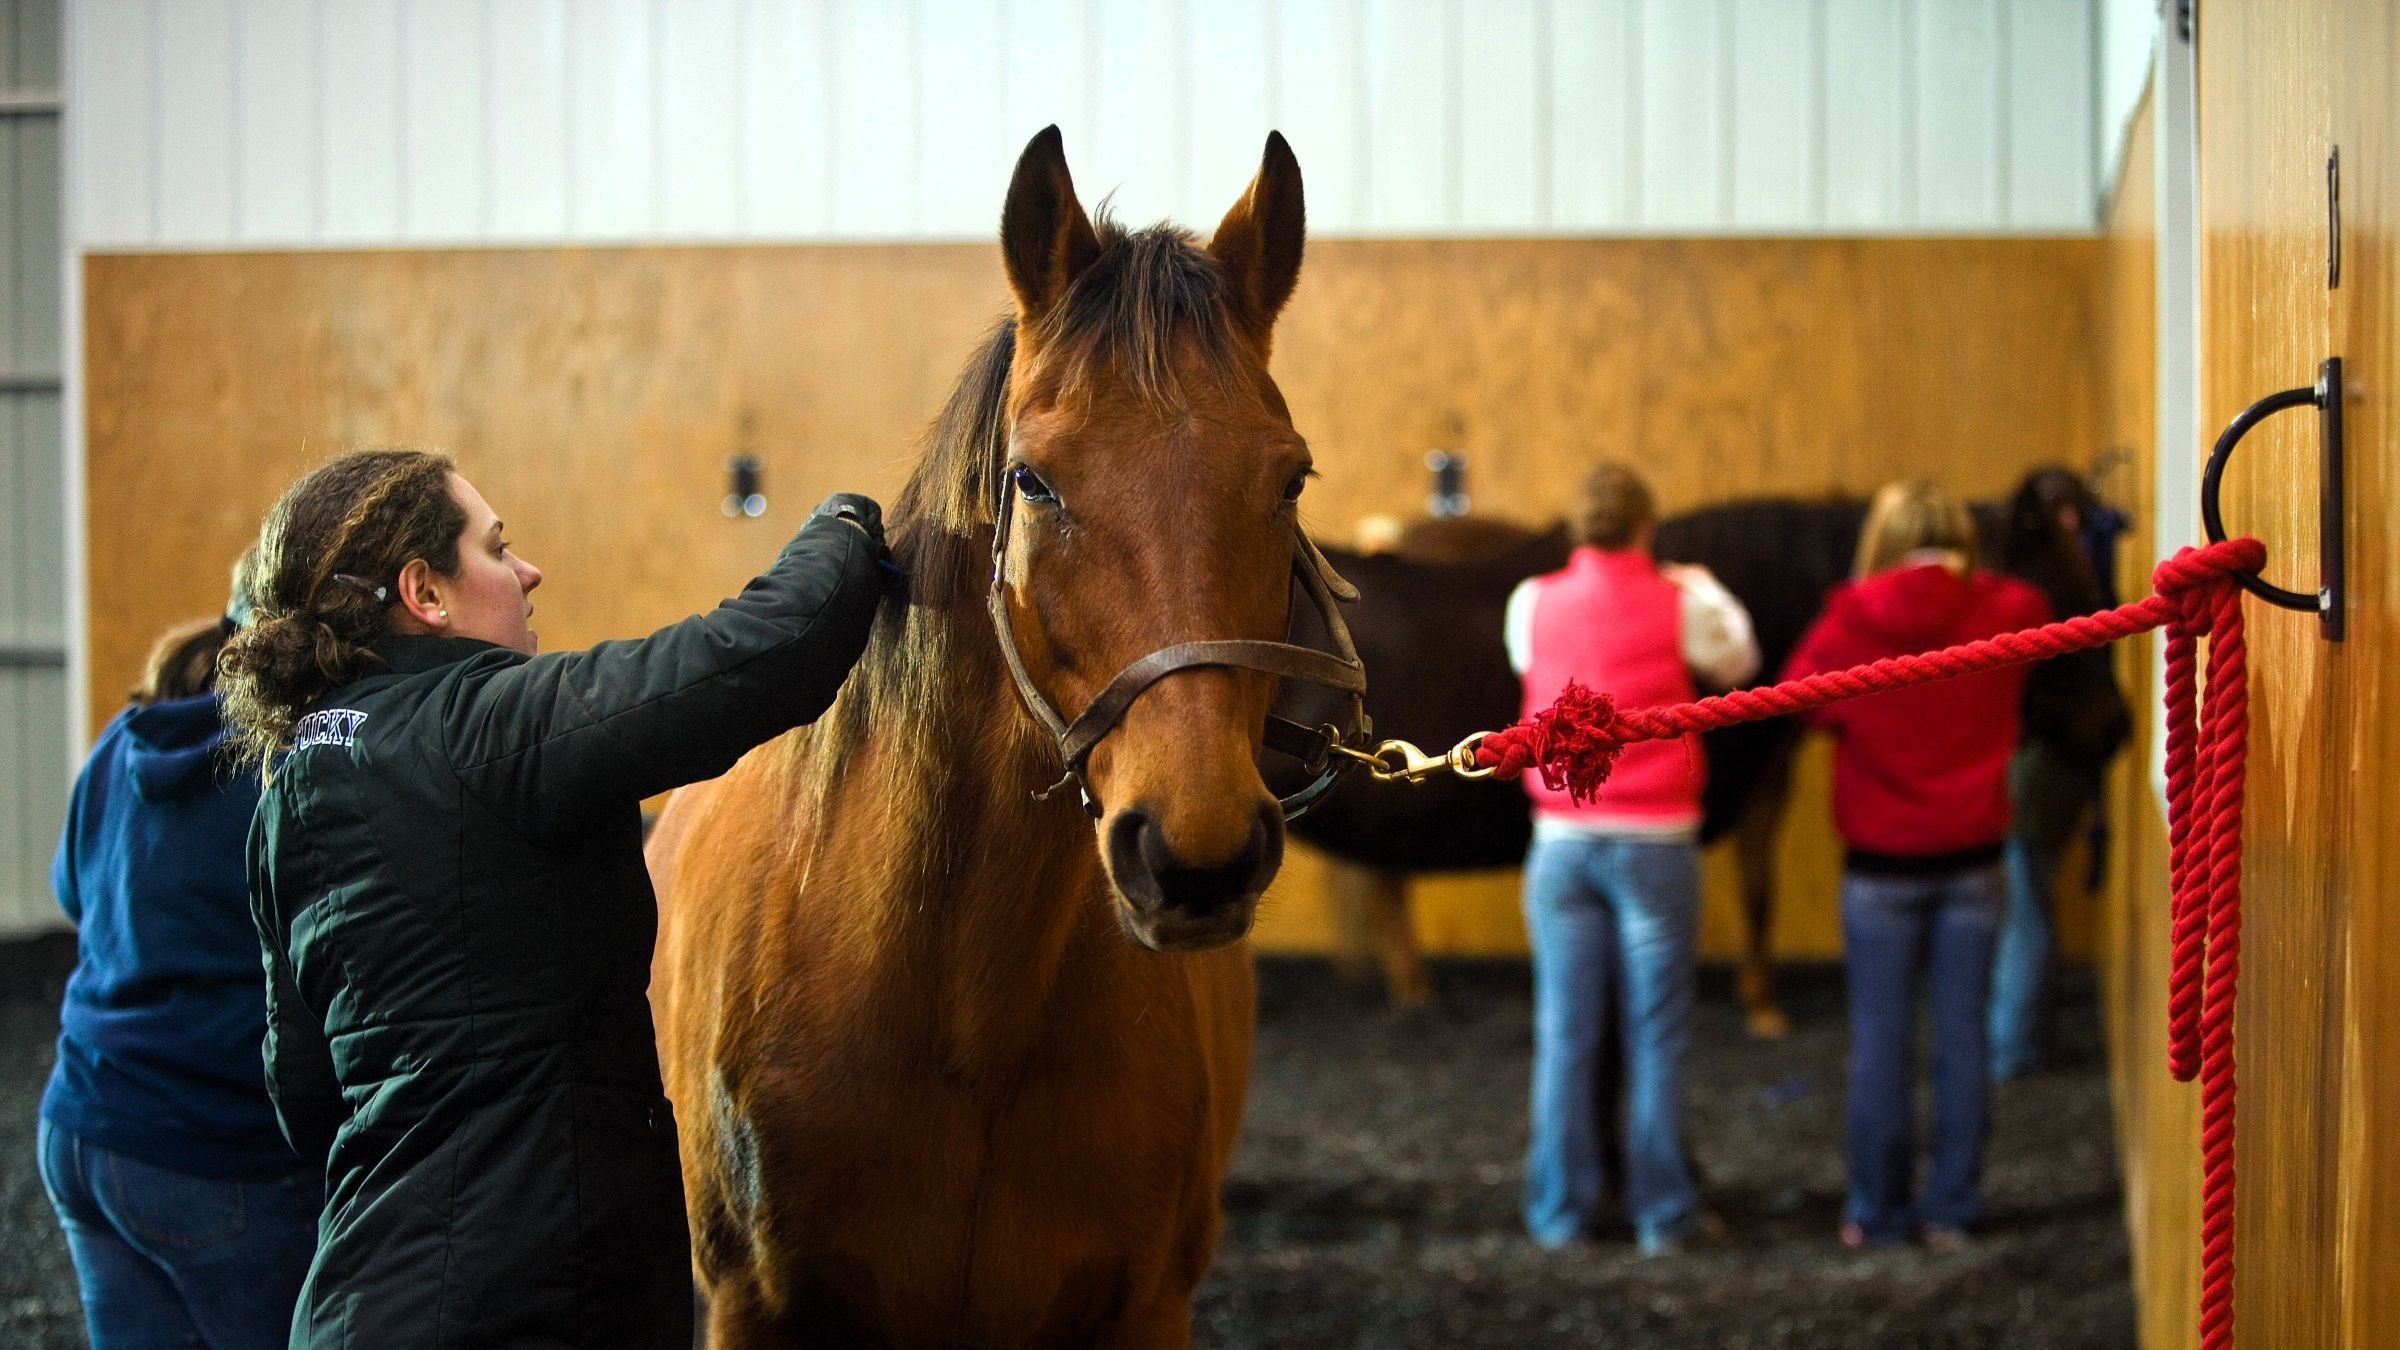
[447,876]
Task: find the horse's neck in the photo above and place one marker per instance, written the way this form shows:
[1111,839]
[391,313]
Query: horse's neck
[989,889]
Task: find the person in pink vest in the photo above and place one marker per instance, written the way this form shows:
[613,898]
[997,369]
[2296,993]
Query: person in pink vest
[1920,799]
[1612,885]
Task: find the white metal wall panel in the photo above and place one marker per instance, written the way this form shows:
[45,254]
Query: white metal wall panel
[1231,57]
[1411,109]
[787,108]
[1777,130]
[1136,151]
[699,93]
[113,77]
[2125,51]
[2049,115]
[528,144]
[1686,180]
[1503,129]
[1318,98]
[441,118]
[612,74]
[29,233]
[1047,75]
[1595,114]
[1869,142]
[359,131]
[300,122]
[874,122]
[196,146]
[965,157]
[1962,144]
[276,80]
[34,768]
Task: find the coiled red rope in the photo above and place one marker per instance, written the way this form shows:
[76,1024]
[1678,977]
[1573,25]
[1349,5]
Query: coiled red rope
[1574,742]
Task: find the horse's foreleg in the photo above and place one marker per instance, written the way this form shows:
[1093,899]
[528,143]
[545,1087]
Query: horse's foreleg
[1165,1324]
[1754,853]
[1403,963]
[734,1320]
[1372,929]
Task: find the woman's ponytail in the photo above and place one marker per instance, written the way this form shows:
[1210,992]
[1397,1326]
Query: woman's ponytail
[332,548]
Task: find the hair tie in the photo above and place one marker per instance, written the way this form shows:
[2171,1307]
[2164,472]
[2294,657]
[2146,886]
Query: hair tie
[378,594]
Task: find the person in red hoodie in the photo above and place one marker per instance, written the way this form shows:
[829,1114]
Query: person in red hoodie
[1920,799]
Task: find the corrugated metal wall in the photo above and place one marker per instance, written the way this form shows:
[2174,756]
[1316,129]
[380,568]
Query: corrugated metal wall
[33,699]
[214,123]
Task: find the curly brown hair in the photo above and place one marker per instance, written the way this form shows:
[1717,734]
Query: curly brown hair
[328,567]
[1616,504]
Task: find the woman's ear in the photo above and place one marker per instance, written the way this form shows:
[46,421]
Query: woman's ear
[421,604]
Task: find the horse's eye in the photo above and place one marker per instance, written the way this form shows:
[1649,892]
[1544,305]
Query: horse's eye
[1292,489]
[1030,485]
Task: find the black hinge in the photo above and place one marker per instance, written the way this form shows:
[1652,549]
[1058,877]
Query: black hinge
[2333,220]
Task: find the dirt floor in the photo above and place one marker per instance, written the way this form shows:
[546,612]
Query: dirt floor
[1373,1203]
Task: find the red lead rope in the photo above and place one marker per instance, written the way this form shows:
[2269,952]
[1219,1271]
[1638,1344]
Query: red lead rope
[1575,740]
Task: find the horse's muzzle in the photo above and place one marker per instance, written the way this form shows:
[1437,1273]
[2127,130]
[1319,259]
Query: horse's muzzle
[1175,903]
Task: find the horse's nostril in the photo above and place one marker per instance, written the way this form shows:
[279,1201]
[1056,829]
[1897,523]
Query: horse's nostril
[1131,837]
[1151,874]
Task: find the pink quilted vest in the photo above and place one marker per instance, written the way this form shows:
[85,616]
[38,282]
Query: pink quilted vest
[1611,622]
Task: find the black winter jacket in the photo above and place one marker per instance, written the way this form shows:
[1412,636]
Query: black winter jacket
[446,871]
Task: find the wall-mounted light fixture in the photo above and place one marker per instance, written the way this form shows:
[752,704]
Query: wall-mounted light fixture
[742,495]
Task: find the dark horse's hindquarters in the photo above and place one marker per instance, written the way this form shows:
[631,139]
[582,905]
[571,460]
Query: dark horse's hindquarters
[1429,627]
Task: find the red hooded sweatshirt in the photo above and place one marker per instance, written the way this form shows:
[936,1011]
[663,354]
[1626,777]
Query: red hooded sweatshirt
[1920,774]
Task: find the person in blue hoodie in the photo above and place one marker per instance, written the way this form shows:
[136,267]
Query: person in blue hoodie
[190,1219]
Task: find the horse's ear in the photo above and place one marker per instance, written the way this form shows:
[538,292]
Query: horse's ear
[1260,239]
[1045,239]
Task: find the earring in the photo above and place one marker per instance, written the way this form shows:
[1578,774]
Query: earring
[444,613]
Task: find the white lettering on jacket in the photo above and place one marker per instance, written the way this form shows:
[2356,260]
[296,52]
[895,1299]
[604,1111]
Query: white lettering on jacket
[334,726]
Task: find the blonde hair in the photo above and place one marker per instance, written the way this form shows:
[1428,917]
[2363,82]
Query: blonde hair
[1911,516]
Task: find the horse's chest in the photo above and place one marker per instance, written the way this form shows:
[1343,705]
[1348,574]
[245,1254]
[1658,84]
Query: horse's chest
[1025,1211]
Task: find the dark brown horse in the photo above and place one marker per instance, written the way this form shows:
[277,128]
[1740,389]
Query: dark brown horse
[956,1065]
[1428,626]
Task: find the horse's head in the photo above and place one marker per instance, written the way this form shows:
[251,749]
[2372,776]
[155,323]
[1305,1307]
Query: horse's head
[1148,499]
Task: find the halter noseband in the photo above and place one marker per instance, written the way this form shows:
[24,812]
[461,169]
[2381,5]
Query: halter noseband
[1340,670]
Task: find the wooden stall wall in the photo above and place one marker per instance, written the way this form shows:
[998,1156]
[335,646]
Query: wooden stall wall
[595,394]
[2282,82]
[2318,1233]
[2157,1120]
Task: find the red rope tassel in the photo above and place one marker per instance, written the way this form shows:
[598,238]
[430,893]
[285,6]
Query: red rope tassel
[1575,742]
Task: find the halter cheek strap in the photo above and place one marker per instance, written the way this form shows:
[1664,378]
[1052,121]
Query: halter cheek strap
[1340,670]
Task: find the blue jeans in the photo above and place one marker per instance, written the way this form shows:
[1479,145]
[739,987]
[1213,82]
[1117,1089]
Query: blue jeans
[166,1259]
[1603,910]
[1892,926]
[2023,960]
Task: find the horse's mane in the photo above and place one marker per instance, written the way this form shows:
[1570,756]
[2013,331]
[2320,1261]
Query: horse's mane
[1151,300]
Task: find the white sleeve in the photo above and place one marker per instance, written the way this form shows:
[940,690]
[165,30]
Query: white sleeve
[1718,643]
[1518,626]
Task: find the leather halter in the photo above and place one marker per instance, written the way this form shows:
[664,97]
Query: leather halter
[1339,669]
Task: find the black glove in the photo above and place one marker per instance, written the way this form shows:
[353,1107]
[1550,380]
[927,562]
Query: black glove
[863,514]
[860,511]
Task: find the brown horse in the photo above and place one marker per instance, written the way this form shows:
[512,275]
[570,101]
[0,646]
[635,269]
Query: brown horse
[931,1094]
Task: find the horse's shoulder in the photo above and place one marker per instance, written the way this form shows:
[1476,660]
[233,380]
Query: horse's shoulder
[684,806]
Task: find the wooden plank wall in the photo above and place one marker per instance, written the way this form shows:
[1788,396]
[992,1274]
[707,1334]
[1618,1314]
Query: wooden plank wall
[2157,1119]
[2318,1230]
[595,393]
[2280,84]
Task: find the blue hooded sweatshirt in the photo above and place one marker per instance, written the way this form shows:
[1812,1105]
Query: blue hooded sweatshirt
[159,1042]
